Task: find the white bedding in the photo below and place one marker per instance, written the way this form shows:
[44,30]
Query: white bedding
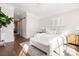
[44,38]
[39,45]
[42,41]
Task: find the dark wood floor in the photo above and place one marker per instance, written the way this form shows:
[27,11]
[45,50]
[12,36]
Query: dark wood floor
[12,48]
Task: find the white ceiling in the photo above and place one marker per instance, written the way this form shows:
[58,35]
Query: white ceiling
[43,9]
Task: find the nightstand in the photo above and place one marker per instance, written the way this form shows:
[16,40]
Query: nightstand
[73,39]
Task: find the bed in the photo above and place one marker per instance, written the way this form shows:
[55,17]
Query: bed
[42,41]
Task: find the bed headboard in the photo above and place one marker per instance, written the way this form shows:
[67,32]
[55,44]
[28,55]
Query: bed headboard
[55,29]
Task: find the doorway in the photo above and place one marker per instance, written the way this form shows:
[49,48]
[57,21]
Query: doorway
[20,27]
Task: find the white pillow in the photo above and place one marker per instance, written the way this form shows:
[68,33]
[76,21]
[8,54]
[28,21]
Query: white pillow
[51,31]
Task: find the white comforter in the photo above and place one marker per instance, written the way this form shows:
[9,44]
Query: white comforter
[42,41]
[48,42]
[44,38]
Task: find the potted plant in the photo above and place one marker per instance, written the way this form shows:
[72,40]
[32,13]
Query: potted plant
[4,21]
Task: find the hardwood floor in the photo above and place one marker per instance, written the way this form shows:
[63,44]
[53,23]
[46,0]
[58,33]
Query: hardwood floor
[12,48]
[76,47]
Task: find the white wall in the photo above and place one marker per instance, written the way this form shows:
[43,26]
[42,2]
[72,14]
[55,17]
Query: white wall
[68,19]
[29,26]
[18,28]
[71,19]
[7,32]
[24,28]
[32,26]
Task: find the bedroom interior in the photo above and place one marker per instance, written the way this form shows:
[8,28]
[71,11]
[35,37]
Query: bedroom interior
[41,29]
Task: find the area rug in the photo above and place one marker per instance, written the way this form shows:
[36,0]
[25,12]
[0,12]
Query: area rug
[33,51]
